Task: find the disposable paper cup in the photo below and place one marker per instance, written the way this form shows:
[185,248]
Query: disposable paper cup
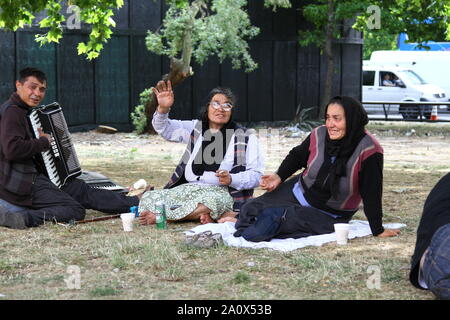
[341,230]
[140,184]
[127,221]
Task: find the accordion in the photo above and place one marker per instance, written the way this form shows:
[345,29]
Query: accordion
[61,161]
[98,181]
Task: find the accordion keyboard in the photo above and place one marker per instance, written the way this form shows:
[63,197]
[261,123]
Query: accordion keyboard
[98,181]
[61,161]
[47,155]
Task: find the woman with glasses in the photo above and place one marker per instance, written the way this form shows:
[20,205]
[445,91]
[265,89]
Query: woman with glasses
[219,169]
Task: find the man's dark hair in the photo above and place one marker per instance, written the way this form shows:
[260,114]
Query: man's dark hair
[32,72]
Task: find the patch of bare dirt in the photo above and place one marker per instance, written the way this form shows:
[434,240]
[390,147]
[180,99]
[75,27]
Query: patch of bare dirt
[408,151]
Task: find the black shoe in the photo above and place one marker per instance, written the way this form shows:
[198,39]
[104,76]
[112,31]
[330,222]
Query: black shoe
[13,220]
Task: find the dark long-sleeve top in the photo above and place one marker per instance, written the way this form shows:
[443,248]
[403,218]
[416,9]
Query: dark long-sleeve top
[436,213]
[17,148]
[370,182]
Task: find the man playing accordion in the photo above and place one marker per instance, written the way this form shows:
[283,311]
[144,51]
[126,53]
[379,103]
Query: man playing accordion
[28,197]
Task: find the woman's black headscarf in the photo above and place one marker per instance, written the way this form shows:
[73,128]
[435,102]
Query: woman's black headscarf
[356,120]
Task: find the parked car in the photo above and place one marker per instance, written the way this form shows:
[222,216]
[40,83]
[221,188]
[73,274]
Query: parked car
[396,84]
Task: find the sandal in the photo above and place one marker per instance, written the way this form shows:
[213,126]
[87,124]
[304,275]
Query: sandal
[208,240]
[190,239]
[217,237]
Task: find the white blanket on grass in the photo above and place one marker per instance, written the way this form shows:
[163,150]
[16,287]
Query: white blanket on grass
[358,228]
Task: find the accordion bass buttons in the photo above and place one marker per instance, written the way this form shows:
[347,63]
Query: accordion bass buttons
[55,148]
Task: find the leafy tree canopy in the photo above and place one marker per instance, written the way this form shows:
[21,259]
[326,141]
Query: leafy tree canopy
[98,14]
[422,20]
[216,20]
[197,29]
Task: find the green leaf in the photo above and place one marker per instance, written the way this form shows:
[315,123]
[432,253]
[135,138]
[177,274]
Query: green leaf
[82,48]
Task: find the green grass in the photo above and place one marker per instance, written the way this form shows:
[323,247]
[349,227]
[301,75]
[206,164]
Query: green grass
[155,264]
[420,129]
[242,277]
[103,292]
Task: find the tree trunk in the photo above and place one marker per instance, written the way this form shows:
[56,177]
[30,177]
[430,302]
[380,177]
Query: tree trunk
[329,58]
[180,69]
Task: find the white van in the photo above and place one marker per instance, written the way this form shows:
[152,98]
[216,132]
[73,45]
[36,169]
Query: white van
[390,83]
[432,66]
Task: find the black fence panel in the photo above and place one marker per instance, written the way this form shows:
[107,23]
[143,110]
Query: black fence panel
[284,80]
[76,88]
[106,90]
[7,66]
[350,75]
[205,78]
[30,53]
[262,18]
[112,88]
[260,82]
[236,80]
[308,76]
[145,69]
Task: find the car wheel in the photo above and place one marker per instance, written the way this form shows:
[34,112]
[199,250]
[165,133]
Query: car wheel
[409,112]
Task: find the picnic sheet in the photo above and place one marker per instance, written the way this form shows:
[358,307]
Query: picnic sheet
[358,228]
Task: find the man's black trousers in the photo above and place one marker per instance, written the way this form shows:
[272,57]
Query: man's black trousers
[71,201]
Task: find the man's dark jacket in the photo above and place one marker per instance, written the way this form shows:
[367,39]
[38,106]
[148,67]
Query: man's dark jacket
[17,149]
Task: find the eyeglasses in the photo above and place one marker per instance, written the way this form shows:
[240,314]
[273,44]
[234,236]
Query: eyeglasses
[225,106]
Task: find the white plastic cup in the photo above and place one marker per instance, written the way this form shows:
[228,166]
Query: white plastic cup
[341,230]
[140,184]
[127,221]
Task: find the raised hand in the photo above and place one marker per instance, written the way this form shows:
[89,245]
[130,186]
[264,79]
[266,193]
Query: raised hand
[270,181]
[164,95]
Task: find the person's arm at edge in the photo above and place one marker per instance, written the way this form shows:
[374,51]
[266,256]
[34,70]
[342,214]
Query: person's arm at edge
[371,190]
